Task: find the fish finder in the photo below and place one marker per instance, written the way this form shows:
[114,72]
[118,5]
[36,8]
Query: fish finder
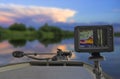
[97,38]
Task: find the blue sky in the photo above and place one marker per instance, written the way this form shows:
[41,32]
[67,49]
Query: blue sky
[66,11]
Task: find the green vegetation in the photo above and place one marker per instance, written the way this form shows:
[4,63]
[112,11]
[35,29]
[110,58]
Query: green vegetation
[46,34]
[18,42]
[17,27]
[117,34]
[53,32]
[18,34]
[8,34]
[31,28]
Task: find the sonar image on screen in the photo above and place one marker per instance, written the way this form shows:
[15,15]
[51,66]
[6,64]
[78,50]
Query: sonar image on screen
[91,38]
[86,38]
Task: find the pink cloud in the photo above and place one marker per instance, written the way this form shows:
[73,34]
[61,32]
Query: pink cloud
[13,12]
[7,20]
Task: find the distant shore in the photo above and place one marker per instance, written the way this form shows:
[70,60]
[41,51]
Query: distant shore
[117,34]
[20,31]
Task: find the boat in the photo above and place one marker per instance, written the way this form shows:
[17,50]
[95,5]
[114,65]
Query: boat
[57,67]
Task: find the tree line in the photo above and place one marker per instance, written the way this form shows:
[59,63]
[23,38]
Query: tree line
[45,31]
[23,27]
[20,27]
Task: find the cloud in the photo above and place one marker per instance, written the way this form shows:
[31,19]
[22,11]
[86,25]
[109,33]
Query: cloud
[4,19]
[10,13]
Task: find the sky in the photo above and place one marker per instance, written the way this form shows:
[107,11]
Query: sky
[36,12]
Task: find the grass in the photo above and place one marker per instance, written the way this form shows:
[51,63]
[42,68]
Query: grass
[7,34]
[49,37]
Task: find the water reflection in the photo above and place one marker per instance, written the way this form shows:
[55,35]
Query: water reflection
[47,41]
[110,65]
[8,46]
[5,47]
[18,42]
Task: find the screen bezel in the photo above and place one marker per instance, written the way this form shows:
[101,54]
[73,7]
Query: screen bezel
[109,38]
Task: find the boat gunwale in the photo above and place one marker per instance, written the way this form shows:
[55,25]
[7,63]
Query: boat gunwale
[58,63]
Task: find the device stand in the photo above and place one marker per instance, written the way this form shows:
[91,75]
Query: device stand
[96,58]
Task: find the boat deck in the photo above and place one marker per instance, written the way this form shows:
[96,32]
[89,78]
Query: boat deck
[43,70]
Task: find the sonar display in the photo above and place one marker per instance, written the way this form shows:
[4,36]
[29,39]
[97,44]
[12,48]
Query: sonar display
[86,38]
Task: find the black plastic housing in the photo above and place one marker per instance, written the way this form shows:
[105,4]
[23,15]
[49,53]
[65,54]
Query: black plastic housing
[98,38]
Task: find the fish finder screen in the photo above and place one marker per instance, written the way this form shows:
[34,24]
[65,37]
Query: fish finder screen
[93,38]
[86,38]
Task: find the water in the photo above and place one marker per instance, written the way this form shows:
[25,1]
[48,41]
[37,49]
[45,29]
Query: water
[110,65]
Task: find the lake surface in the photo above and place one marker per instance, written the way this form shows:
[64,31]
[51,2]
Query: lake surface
[111,65]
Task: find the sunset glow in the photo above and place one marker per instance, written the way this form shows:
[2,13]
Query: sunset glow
[13,13]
